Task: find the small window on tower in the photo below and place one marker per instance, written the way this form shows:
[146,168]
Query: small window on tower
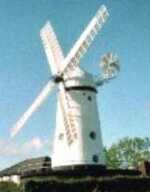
[95,158]
[61,136]
[89,98]
[92,135]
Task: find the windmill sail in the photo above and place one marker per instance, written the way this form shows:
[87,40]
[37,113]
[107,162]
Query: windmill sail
[55,59]
[36,104]
[85,40]
[52,48]
[70,129]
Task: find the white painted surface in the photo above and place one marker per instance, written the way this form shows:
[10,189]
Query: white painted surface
[52,48]
[77,115]
[15,179]
[11,178]
[5,178]
[75,122]
[82,44]
[35,105]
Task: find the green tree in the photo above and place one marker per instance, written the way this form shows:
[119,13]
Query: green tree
[128,152]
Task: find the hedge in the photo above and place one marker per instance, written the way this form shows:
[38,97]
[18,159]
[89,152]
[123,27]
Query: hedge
[87,184]
[114,184]
[9,187]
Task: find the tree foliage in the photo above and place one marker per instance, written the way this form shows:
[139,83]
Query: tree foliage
[128,152]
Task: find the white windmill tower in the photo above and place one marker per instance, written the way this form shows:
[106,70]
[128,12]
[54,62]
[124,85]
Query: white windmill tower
[78,139]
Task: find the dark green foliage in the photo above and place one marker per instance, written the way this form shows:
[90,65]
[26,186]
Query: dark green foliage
[114,184]
[9,187]
[128,152]
[89,184]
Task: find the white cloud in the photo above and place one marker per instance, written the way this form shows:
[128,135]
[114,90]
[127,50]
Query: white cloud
[8,148]
[34,144]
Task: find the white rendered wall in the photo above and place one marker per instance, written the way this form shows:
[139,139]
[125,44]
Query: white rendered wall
[5,178]
[77,147]
[12,178]
[15,179]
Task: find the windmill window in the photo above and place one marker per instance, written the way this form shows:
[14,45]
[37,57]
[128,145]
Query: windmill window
[61,136]
[92,135]
[95,158]
[89,98]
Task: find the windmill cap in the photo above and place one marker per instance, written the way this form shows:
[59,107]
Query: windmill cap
[79,77]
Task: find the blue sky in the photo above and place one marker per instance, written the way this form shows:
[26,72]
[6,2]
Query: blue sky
[124,103]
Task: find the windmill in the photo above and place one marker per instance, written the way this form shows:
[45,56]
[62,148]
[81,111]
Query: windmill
[78,139]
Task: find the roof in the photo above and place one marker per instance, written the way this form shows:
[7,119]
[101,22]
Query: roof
[27,165]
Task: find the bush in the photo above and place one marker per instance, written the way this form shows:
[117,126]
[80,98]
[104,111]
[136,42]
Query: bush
[109,184]
[9,187]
